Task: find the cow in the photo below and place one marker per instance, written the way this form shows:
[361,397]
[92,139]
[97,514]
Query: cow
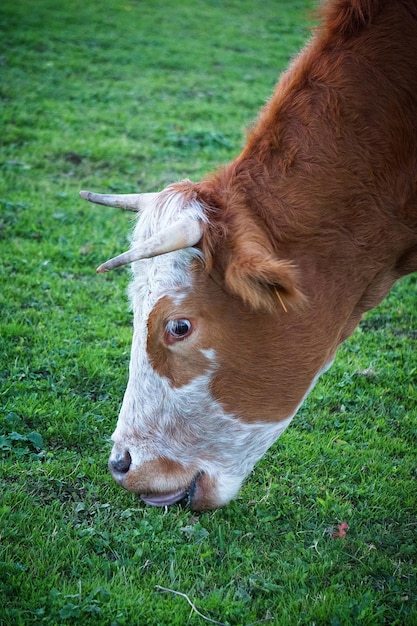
[244,284]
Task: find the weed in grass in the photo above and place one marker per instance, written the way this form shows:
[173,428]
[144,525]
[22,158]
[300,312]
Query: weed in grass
[126,96]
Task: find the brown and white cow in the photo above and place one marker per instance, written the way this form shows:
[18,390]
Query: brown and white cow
[245,284]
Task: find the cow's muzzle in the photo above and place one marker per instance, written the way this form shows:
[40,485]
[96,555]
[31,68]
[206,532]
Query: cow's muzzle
[153,489]
[182,496]
[120,464]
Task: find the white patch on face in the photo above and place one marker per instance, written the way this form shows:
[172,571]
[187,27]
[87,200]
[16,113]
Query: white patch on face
[209,354]
[187,425]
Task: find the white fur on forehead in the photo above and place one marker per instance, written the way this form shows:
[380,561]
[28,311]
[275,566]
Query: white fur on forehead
[155,277]
[169,206]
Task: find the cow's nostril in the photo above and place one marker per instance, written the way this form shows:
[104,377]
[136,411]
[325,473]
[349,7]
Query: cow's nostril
[121,462]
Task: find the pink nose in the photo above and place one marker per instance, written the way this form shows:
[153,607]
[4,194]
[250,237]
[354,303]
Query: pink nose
[120,464]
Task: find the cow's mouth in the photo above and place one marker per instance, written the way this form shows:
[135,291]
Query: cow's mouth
[182,496]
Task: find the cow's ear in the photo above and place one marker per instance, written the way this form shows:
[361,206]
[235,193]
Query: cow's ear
[264,281]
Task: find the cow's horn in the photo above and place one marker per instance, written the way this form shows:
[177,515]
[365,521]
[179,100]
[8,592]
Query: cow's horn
[129,201]
[184,233]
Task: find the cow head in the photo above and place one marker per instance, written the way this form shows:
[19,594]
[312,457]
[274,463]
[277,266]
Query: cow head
[214,378]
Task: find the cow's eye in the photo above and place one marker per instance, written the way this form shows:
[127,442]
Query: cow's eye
[178,329]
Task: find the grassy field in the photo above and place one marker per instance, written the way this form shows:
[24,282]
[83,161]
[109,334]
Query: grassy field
[125,96]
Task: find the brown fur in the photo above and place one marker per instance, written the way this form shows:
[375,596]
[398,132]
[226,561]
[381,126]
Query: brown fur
[265,359]
[159,476]
[328,178]
[321,204]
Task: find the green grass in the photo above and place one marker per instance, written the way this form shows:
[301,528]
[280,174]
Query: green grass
[121,95]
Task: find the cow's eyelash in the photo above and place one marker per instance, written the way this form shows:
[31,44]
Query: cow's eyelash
[179,328]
